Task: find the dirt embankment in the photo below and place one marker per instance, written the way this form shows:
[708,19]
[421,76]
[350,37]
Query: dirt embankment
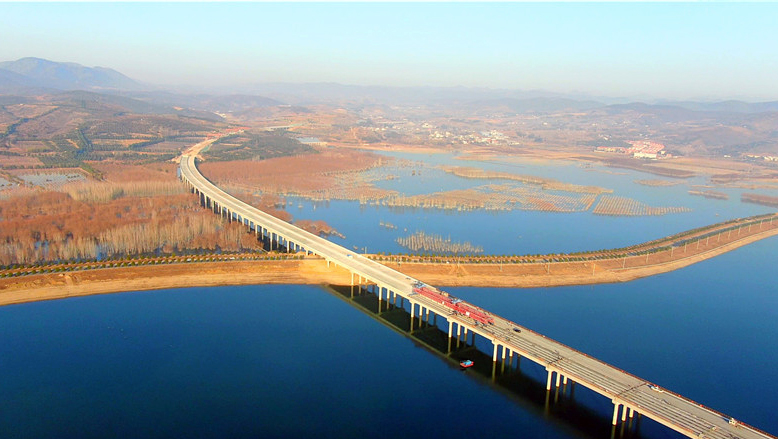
[569,273]
[110,280]
[315,271]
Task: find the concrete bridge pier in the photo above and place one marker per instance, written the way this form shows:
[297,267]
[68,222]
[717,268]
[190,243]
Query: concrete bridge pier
[413,313]
[549,375]
[616,406]
[507,355]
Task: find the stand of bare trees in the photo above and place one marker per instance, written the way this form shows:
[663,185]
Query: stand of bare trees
[111,219]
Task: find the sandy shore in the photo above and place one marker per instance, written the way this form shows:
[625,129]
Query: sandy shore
[153,277]
[314,271]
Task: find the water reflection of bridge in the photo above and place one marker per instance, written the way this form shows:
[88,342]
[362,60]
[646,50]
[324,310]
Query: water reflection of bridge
[510,342]
[520,381]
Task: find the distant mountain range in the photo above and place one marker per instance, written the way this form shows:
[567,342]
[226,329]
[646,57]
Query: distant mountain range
[36,73]
[33,76]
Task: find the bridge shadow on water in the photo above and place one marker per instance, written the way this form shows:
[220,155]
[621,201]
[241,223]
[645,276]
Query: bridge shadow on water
[583,412]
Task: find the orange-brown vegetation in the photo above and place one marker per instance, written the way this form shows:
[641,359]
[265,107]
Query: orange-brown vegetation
[120,173]
[759,199]
[48,225]
[496,197]
[421,241]
[315,176]
[657,183]
[11,161]
[623,206]
[710,194]
[102,192]
[268,203]
[489,271]
[545,183]
[319,228]
[28,111]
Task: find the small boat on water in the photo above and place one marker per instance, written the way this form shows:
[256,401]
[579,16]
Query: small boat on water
[464,364]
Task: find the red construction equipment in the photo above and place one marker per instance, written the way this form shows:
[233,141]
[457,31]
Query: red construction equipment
[456,305]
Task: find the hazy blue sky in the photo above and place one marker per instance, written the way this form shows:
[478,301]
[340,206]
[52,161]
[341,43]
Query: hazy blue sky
[668,50]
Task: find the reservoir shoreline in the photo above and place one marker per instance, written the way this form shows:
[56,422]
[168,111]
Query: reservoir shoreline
[314,271]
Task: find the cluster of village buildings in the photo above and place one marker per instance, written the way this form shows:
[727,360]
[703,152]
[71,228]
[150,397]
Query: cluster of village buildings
[768,158]
[642,149]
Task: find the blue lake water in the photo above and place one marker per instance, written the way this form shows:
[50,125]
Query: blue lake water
[525,232]
[298,361]
[293,361]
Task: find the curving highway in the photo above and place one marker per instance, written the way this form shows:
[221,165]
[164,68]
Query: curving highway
[630,395]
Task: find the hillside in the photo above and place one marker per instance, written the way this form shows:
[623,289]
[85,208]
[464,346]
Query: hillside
[44,74]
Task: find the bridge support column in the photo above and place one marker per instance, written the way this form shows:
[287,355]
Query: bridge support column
[558,379]
[450,328]
[615,412]
[549,374]
[494,353]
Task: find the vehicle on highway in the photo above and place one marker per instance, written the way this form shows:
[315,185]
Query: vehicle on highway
[454,304]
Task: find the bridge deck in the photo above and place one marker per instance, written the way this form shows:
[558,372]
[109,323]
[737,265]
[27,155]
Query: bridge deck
[672,410]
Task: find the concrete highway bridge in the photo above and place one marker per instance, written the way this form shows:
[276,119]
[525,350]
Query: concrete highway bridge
[629,394]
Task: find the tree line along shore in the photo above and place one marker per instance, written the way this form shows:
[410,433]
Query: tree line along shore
[50,281]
